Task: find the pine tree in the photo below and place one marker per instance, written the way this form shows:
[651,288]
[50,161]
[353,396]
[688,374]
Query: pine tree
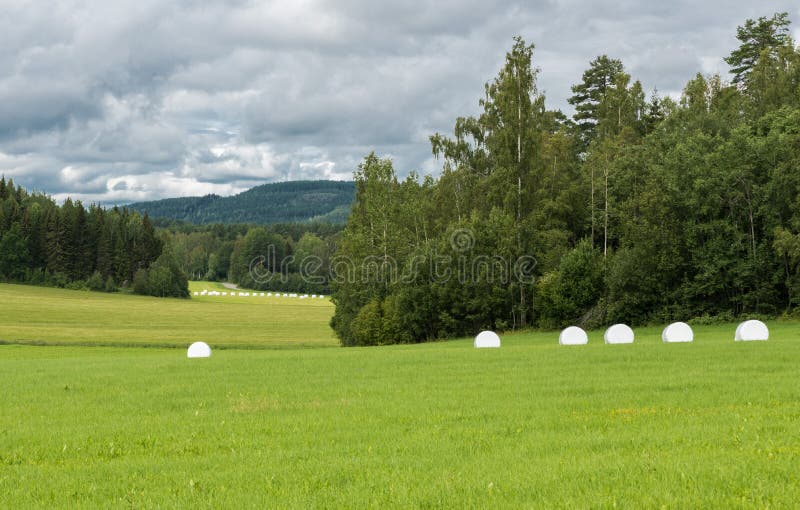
[55,241]
[589,96]
[761,37]
[13,253]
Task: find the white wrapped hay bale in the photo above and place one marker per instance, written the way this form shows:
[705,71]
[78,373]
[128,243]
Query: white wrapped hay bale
[487,339]
[677,332]
[573,335]
[619,334]
[751,331]
[198,350]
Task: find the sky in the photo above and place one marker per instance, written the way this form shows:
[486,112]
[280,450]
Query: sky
[114,102]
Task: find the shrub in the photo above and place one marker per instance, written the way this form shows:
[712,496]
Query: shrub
[95,282]
[367,327]
[141,282]
[566,294]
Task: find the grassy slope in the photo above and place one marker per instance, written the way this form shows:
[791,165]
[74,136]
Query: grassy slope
[713,424]
[37,314]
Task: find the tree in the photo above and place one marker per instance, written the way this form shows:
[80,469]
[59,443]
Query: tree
[496,158]
[164,278]
[13,253]
[81,256]
[566,294]
[774,81]
[758,38]
[589,96]
[312,260]
[141,282]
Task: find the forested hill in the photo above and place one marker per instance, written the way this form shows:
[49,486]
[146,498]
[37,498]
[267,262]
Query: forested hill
[283,202]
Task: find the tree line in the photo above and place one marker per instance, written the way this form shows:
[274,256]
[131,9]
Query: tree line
[42,243]
[636,209]
[292,257]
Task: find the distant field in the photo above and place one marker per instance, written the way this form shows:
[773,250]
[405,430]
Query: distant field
[57,316]
[199,286]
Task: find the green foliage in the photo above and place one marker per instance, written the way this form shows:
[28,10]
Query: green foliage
[141,282]
[71,245]
[706,320]
[367,326]
[13,253]
[110,285]
[95,282]
[164,278]
[688,209]
[590,96]
[759,38]
[290,257]
[566,294]
[283,202]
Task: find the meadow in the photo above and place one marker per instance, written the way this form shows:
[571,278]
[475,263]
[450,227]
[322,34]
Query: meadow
[712,424]
[39,315]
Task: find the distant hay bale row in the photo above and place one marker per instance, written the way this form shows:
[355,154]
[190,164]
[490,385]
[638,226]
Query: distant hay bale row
[677,332]
[256,294]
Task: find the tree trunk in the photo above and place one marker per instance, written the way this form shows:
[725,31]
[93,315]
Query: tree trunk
[591,210]
[605,219]
[522,305]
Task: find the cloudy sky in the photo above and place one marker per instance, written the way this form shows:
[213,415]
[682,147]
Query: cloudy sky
[124,100]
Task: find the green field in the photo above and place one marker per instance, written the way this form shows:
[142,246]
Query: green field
[56,316]
[712,424]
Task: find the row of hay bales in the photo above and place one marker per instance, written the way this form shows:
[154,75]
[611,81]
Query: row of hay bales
[677,332]
[255,294]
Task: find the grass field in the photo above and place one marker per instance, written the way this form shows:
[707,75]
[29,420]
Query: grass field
[56,316]
[199,286]
[712,424]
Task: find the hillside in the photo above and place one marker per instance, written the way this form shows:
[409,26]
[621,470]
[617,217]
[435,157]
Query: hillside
[283,202]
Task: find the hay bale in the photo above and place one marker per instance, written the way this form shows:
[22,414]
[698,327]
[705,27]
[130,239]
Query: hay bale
[618,334]
[487,339]
[677,332]
[751,330]
[573,335]
[198,350]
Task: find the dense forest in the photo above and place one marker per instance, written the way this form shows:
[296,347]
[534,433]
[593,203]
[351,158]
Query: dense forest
[42,243]
[283,202]
[637,209]
[285,257]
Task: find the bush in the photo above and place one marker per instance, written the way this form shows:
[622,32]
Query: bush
[111,285]
[95,282]
[707,320]
[566,294]
[164,278]
[141,282]
[367,327]
[56,280]
[77,285]
[36,277]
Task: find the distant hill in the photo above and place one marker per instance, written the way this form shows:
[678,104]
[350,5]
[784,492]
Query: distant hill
[281,202]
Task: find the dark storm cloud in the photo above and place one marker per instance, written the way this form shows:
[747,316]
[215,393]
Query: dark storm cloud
[119,101]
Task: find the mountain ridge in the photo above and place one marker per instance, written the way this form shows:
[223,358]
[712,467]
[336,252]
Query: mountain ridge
[266,204]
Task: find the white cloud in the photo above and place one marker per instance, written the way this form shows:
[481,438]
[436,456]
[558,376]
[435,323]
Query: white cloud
[132,100]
